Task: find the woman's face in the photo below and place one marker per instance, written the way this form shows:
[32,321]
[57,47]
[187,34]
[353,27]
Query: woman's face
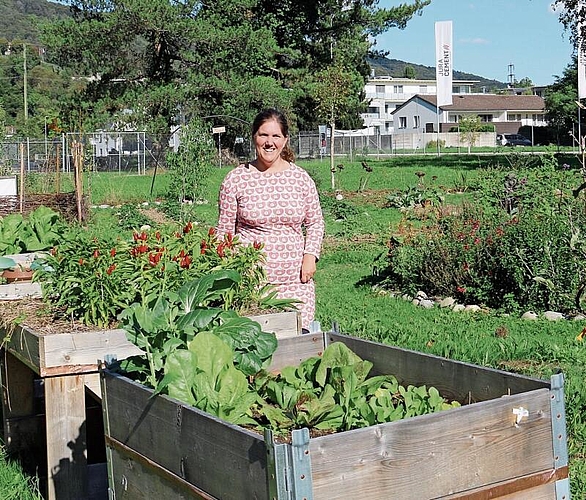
[269,141]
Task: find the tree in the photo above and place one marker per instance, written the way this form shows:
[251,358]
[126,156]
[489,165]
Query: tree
[409,72]
[190,166]
[331,91]
[168,61]
[560,102]
[469,127]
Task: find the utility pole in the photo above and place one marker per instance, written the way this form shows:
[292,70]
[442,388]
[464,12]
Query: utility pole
[25,84]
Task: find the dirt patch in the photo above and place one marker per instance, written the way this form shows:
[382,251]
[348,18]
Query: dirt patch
[155,215]
[377,197]
[35,314]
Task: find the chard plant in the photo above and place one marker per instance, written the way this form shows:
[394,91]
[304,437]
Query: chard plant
[210,358]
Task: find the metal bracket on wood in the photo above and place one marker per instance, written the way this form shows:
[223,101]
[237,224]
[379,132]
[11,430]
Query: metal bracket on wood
[558,427]
[289,467]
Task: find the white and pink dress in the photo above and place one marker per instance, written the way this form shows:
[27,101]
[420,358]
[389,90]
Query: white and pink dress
[282,211]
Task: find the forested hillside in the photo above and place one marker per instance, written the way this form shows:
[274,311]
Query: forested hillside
[19,18]
[383,66]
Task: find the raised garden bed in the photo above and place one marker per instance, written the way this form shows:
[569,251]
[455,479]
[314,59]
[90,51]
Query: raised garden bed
[507,441]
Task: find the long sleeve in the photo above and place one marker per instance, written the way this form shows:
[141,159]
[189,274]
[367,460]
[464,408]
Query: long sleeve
[314,222]
[227,206]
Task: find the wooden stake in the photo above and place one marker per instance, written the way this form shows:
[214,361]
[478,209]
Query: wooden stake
[21,177]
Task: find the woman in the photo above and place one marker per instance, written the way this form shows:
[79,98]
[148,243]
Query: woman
[273,201]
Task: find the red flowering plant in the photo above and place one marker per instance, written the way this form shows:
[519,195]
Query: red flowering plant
[94,278]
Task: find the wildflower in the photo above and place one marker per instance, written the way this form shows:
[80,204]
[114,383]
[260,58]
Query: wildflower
[257,245]
[203,246]
[113,252]
[158,235]
[185,262]
[110,269]
[154,258]
[188,227]
[229,240]
[477,241]
[96,254]
[212,231]
[80,262]
[220,250]
[461,289]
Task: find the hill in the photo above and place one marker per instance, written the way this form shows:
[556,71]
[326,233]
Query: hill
[19,19]
[383,66]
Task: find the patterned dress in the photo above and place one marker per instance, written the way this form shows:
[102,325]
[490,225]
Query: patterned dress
[282,211]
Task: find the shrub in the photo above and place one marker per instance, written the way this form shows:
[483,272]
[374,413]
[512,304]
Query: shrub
[518,245]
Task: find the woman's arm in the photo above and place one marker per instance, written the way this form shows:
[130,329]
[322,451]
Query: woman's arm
[228,208]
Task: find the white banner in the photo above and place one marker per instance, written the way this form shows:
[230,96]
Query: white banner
[581,59]
[443,62]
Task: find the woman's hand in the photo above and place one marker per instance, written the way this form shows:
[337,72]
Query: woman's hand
[307,267]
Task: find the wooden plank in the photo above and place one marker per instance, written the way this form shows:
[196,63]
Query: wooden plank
[136,476]
[84,349]
[283,324]
[187,442]
[66,438]
[68,353]
[92,384]
[20,290]
[515,488]
[435,455]
[17,387]
[455,380]
[24,344]
[291,351]
[545,492]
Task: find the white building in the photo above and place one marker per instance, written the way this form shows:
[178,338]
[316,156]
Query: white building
[386,93]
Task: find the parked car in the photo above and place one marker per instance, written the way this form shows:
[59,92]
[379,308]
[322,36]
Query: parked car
[512,140]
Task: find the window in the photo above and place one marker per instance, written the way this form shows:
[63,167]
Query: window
[485,118]
[380,90]
[513,117]
[372,110]
[402,122]
[416,121]
[398,89]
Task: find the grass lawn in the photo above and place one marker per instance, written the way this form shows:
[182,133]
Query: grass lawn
[357,229]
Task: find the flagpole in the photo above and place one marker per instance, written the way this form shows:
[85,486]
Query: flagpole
[438,128]
[444,64]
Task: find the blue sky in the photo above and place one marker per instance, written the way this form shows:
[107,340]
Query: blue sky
[488,36]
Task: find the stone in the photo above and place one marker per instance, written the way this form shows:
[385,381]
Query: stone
[553,316]
[421,295]
[472,308]
[427,304]
[447,302]
[458,308]
[530,315]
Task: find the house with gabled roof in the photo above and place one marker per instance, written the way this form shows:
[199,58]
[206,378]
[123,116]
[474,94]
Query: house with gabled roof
[508,113]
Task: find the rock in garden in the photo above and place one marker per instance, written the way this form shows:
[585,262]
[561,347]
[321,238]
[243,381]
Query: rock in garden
[472,308]
[447,302]
[458,307]
[553,316]
[529,315]
[427,304]
[421,295]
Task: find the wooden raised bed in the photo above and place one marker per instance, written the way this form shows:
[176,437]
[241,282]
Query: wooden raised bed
[509,442]
[45,380]
[50,389]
